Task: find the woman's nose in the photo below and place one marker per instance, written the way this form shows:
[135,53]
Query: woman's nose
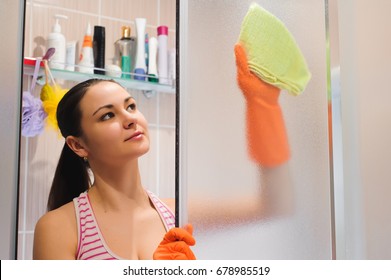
[130,119]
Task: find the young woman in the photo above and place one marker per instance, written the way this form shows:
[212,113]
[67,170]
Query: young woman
[110,216]
[113,216]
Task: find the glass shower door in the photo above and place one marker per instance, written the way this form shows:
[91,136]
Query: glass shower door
[241,210]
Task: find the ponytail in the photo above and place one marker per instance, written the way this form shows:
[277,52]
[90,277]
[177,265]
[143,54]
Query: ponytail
[70,179]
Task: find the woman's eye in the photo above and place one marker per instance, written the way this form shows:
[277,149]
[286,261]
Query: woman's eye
[106,116]
[131,107]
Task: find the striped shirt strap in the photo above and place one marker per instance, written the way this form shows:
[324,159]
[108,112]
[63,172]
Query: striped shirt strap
[165,213]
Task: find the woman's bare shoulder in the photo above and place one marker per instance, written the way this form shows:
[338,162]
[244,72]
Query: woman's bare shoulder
[55,235]
[170,202]
[60,218]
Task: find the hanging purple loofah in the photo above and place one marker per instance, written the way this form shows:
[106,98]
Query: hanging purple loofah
[33,115]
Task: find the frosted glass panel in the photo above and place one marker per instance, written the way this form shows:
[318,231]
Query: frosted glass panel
[240,210]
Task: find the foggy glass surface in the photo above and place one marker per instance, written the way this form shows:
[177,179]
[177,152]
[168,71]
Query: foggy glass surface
[224,187]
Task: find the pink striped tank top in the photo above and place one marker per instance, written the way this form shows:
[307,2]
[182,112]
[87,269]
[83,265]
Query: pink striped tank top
[91,245]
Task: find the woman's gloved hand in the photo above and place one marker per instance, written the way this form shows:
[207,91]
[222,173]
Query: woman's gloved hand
[266,134]
[176,245]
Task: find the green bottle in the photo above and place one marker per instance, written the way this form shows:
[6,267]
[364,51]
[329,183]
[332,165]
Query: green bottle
[124,52]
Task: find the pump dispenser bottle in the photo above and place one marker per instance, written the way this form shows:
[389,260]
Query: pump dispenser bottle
[57,41]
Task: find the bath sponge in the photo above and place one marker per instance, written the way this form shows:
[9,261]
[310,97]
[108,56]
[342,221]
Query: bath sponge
[272,52]
[51,96]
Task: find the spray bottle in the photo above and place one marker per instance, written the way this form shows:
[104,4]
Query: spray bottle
[162,63]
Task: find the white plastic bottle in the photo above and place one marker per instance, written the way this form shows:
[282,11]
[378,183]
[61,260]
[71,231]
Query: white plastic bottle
[70,59]
[86,61]
[140,67]
[152,68]
[57,41]
[162,32]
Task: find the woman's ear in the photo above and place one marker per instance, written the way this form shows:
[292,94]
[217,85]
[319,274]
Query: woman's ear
[75,145]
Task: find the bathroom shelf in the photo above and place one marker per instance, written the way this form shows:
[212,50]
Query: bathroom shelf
[148,88]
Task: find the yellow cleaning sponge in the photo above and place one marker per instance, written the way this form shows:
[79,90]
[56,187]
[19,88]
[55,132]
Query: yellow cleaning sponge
[272,52]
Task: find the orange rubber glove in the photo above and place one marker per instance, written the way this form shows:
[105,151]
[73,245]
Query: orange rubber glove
[176,245]
[266,134]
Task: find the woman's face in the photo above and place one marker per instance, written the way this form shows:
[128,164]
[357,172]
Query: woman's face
[113,128]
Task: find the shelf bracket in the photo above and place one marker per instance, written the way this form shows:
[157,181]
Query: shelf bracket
[149,93]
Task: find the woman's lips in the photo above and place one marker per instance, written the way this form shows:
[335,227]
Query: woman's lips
[135,136]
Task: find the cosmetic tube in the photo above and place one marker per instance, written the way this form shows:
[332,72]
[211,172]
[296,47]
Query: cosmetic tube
[70,59]
[140,66]
[86,61]
[152,69]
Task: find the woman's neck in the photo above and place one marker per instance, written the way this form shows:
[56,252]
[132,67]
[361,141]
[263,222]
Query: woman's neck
[115,187]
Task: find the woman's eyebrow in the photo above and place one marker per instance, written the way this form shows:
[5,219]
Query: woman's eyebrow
[128,98]
[109,106]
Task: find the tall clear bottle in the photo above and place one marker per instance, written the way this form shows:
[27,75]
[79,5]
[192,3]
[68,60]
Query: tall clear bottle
[125,49]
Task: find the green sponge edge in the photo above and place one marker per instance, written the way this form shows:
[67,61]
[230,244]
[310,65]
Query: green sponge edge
[272,52]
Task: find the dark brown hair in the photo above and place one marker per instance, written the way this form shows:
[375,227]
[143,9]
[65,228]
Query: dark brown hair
[71,177]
